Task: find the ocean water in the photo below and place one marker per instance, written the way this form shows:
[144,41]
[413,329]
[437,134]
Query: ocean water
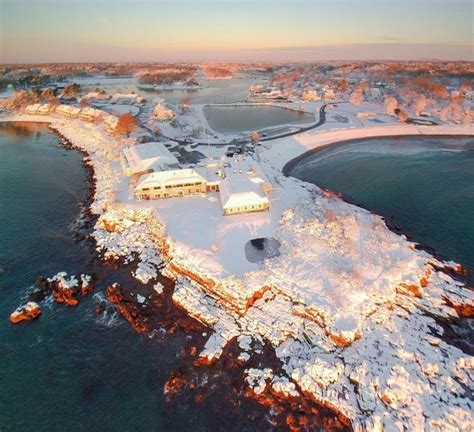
[72,370]
[423,185]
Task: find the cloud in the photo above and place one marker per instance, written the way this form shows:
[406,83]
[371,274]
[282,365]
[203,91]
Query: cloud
[389,39]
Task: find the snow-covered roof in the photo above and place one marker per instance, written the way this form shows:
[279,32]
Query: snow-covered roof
[31,109]
[129,97]
[160,112]
[110,121]
[45,108]
[239,190]
[152,155]
[68,110]
[171,177]
[90,113]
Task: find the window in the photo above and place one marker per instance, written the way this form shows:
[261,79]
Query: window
[145,189]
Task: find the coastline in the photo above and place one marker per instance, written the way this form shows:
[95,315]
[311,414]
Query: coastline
[289,167]
[291,164]
[329,381]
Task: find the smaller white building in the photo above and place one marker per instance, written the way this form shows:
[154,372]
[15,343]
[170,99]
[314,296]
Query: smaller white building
[329,94]
[148,157]
[365,115]
[311,95]
[241,193]
[127,98]
[161,112]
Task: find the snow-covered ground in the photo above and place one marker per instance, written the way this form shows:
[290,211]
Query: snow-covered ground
[350,307]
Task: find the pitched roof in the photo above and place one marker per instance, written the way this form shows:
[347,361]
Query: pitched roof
[171,177]
[152,155]
[239,190]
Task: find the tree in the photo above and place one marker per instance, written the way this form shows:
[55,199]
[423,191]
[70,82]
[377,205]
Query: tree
[185,104]
[47,94]
[402,116]
[419,104]
[439,91]
[126,124]
[72,90]
[390,104]
[255,136]
[357,97]
[343,85]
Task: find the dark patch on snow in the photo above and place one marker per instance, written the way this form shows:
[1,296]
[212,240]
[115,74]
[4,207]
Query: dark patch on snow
[259,249]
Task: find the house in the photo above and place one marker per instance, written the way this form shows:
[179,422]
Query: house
[160,112]
[96,95]
[127,98]
[91,114]
[32,109]
[329,95]
[146,158]
[241,193]
[365,115]
[68,111]
[374,93]
[110,123]
[469,95]
[260,92]
[311,95]
[46,108]
[171,183]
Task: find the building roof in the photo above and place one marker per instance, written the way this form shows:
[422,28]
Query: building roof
[68,110]
[89,112]
[171,177]
[31,109]
[238,190]
[152,155]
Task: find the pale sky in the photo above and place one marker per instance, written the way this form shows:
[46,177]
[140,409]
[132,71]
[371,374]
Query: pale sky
[170,30]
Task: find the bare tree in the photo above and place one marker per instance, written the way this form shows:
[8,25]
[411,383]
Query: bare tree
[390,104]
[357,97]
[255,136]
[185,103]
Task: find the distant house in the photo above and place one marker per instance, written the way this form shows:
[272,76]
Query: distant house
[469,95]
[172,183]
[260,92]
[160,112]
[46,108]
[374,93]
[311,95]
[68,111]
[329,95]
[96,95]
[127,98]
[110,123]
[32,109]
[240,194]
[365,114]
[146,158]
[91,114]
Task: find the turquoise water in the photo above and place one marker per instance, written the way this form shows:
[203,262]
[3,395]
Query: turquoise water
[73,370]
[424,185]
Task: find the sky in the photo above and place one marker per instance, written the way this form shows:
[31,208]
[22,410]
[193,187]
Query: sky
[236,30]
